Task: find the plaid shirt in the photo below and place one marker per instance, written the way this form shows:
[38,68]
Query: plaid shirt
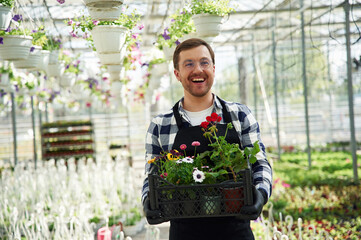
[163,130]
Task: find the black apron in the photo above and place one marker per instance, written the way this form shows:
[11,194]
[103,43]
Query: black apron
[214,228]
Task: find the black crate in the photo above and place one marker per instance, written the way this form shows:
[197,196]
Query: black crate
[201,200]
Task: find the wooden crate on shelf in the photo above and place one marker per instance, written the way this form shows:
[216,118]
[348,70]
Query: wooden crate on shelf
[67,139]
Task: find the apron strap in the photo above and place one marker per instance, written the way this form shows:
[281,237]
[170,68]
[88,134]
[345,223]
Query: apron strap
[226,115]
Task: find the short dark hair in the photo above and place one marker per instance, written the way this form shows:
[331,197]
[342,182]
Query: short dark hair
[189,44]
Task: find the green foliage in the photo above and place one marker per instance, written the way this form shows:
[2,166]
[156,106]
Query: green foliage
[217,7]
[7,3]
[180,26]
[39,37]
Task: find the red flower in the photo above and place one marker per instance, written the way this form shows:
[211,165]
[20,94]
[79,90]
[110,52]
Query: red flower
[183,147]
[204,124]
[214,118]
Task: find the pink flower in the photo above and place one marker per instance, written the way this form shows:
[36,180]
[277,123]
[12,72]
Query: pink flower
[286,185]
[183,147]
[70,22]
[61,1]
[88,104]
[134,36]
[95,22]
[196,144]
[141,26]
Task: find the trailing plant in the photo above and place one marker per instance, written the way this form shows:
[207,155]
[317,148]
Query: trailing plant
[217,7]
[180,26]
[7,3]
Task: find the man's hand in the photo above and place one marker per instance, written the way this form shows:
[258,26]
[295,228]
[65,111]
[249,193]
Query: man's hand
[254,210]
[153,216]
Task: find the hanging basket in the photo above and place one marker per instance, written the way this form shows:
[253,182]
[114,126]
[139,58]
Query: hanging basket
[54,57]
[4,80]
[114,72]
[31,62]
[44,60]
[67,80]
[55,70]
[109,38]
[207,25]
[15,47]
[5,17]
[103,3]
[104,14]
[115,58]
[168,52]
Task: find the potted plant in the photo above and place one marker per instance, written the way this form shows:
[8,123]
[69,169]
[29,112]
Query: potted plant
[39,40]
[103,3]
[108,36]
[5,13]
[71,69]
[14,45]
[208,15]
[180,25]
[222,171]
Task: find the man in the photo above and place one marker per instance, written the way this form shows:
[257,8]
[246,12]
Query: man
[194,67]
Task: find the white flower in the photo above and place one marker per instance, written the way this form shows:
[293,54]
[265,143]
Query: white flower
[179,161]
[188,160]
[198,176]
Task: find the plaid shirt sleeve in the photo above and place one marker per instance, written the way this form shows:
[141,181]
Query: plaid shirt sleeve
[159,137]
[249,132]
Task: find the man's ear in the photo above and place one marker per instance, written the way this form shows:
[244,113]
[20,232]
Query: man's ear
[177,74]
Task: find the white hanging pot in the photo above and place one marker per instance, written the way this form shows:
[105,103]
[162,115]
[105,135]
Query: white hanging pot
[15,47]
[5,17]
[207,24]
[113,58]
[103,3]
[54,57]
[158,70]
[114,72]
[44,60]
[116,88]
[104,14]
[32,61]
[4,80]
[109,38]
[67,80]
[55,70]
[168,52]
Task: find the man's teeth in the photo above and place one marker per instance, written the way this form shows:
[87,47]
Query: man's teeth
[198,79]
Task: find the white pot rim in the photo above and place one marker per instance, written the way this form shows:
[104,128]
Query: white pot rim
[103,27]
[17,36]
[5,7]
[201,15]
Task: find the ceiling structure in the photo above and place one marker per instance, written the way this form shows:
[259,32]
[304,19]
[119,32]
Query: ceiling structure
[253,21]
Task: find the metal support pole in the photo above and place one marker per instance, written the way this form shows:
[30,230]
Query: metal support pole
[305,88]
[350,90]
[329,78]
[46,112]
[254,80]
[13,118]
[275,85]
[34,131]
[40,124]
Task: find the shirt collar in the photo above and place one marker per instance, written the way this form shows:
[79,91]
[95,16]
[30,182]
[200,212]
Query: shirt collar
[217,104]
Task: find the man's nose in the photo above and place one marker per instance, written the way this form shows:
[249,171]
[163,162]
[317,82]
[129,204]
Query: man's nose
[197,67]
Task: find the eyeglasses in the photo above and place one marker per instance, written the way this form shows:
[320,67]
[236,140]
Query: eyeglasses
[203,64]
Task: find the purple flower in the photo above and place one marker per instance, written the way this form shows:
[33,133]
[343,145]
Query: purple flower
[61,1]
[177,42]
[1,40]
[172,20]
[32,49]
[67,66]
[34,31]
[2,93]
[166,34]
[138,44]
[18,18]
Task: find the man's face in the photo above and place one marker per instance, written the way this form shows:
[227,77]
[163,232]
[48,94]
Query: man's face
[196,71]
